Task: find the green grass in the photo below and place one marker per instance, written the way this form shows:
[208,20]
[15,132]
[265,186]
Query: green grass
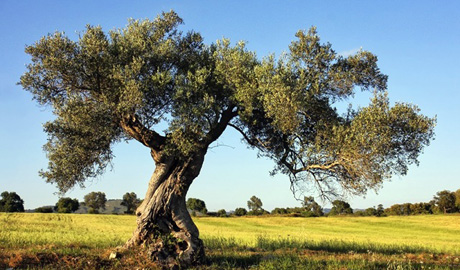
[73,241]
[63,230]
[390,234]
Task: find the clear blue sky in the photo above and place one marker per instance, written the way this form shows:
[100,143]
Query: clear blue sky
[417,42]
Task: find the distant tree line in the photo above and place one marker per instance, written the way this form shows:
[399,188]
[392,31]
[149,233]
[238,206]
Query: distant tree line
[309,208]
[93,201]
[444,202]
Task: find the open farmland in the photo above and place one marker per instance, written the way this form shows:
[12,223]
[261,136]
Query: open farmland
[58,241]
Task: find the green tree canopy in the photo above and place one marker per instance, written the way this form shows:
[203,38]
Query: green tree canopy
[11,202]
[221,213]
[312,207]
[131,202]
[400,209]
[380,210]
[445,201]
[95,201]
[340,207]
[67,205]
[131,83]
[240,212]
[121,85]
[255,206]
[44,209]
[457,199]
[421,208]
[279,211]
[371,211]
[196,205]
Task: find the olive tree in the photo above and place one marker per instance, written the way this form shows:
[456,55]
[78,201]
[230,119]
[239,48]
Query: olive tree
[128,84]
[67,205]
[95,201]
[240,212]
[311,207]
[255,206]
[221,213]
[11,202]
[457,199]
[131,201]
[340,207]
[196,205]
[445,201]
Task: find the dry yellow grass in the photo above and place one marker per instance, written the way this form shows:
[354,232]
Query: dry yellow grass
[70,241]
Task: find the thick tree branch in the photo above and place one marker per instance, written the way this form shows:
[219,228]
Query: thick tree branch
[327,167]
[139,132]
[224,121]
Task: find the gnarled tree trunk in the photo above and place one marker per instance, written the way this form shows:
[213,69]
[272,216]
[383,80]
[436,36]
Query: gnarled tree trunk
[164,225]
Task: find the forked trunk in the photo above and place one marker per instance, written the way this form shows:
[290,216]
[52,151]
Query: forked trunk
[164,225]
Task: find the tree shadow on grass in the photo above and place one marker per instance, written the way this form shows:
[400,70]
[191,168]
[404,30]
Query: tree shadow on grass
[233,261]
[337,246]
[319,262]
[334,246]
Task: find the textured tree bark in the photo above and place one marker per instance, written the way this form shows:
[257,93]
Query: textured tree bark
[164,225]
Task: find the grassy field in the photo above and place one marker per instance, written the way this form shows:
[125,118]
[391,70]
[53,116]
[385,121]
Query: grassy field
[72,241]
